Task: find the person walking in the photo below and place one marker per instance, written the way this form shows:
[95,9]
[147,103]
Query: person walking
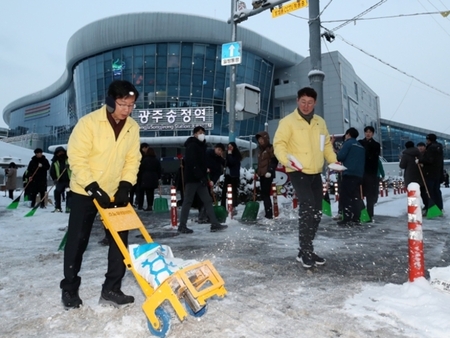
[232,174]
[214,163]
[370,185]
[148,178]
[267,164]
[11,179]
[38,183]
[196,181]
[104,157]
[352,155]
[60,168]
[433,168]
[301,144]
[411,171]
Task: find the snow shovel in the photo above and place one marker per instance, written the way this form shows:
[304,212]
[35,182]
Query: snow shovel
[251,208]
[364,217]
[62,245]
[433,210]
[14,204]
[32,211]
[160,204]
[219,210]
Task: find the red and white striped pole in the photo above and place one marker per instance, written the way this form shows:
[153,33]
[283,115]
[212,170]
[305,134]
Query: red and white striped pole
[173,206]
[381,189]
[295,201]
[230,200]
[276,212]
[386,190]
[415,242]
[336,193]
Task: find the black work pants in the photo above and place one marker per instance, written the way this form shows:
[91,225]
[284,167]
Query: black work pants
[308,189]
[351,197]
[81,219]
[60,188]
[189,193]
[148,193]
[370,187]
[266,192]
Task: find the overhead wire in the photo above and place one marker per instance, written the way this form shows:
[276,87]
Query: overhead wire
[359,15]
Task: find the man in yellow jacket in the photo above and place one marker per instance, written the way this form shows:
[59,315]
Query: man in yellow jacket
[104,157]
[301,144]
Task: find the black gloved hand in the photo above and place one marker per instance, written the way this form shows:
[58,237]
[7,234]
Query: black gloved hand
[99,194]
[122,196]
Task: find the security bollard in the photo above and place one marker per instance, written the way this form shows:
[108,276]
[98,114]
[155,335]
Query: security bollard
[276,212]
[415,242]
[173,206]
[295,201]
[230,200]
[336,193]
[381,189]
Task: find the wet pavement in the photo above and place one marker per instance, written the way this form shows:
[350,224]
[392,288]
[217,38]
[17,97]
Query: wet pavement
[375,252]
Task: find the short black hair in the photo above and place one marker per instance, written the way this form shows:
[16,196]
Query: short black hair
[307,91]
[432,137]
[38,151]
[421,144]
[372,129]
[197,129]
[409,144]
[144,145]
[352,132]
[220,145]
[119,89]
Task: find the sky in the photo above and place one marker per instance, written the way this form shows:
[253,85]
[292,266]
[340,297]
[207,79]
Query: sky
[268,293]
[34,37]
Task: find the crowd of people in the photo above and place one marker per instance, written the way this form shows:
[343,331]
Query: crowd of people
[106,162]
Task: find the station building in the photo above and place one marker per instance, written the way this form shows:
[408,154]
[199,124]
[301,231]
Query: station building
[174,60]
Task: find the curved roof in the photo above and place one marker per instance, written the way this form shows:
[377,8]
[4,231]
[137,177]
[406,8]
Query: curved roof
[141,28]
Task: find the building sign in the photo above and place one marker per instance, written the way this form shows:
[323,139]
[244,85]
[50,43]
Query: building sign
[161,119]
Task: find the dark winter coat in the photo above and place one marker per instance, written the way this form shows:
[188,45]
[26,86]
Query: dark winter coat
[233,163]
[215,164]
[149,172]
[408,164]
[433,161]
[195,161]
[11,178]
[352,155]
[40,178]
[267,162]
[59,163]
[373,151]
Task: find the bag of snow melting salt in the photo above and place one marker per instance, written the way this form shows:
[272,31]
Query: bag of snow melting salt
[440,278]
[155,262]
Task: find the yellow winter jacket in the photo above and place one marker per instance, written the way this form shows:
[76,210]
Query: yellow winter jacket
[96,156]
[295,136]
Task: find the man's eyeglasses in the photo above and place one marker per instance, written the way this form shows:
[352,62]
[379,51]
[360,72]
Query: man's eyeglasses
[129,106]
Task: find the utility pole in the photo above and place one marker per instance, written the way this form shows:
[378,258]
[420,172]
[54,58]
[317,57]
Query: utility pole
[232,112]
[316,75]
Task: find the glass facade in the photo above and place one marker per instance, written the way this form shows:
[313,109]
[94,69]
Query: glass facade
[395,137]
[165,74]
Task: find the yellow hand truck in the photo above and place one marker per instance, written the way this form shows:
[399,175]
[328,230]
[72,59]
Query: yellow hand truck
[186,290]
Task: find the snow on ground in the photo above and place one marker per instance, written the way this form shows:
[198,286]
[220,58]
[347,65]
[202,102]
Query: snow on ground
[362,291]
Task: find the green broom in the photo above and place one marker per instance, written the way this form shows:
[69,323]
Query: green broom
[219,210]
[433,210]
[364,217]
[326,204]
[33,210]
[14,204]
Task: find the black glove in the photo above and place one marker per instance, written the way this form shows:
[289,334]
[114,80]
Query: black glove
[122,196]
[99,194]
